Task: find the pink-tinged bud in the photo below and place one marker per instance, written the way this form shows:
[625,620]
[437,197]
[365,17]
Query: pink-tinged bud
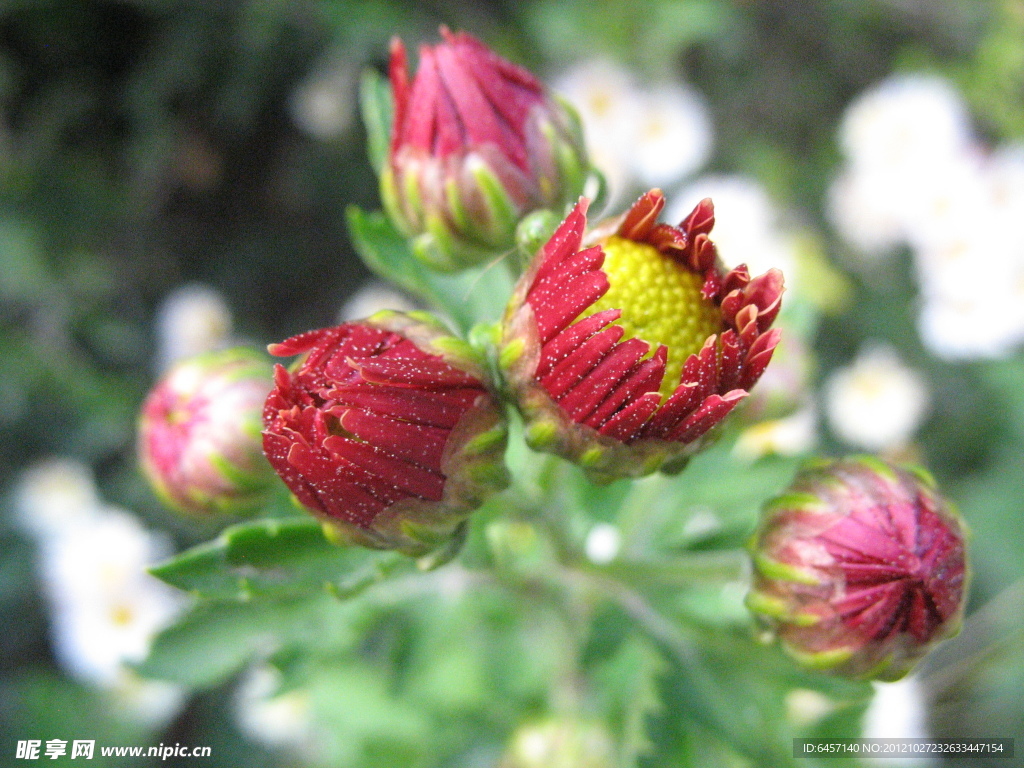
[385,430]
[477,143]
[623,355]
[199,433]
[860,568]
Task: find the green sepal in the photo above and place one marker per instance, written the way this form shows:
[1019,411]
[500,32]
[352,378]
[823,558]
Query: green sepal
[502,212]
[773,569]
[820,660]
[486,442]
[377,109]
[510,354]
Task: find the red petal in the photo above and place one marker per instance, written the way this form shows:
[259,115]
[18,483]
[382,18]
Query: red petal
[303,342]
[711,411]
[701,219]
[645,378]
[570,338]
[442,408]
[276,447]
[565,242]
[480,121]
[429,373]
[413,442]
[554,315]
[759,356]
[642,217]
[625,424]
[410,478]
[569,269]
[325,481]
[360,341]
[731,365]
[581,400]
[398,73]
[574,367]
[350,502]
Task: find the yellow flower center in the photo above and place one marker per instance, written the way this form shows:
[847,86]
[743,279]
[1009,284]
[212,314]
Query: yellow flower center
[660,301]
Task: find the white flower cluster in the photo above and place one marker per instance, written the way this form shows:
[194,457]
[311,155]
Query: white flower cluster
[639,137]
[105,608]
[916,175]
[877,402]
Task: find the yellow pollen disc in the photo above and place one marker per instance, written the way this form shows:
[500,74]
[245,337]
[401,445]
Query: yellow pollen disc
[660,302]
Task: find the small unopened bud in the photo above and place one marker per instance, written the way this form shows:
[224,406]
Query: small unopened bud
[199,433]
[477,144]
[860,568]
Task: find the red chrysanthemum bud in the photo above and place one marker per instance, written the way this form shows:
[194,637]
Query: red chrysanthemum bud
[477,143]
[385,430]
[199,433]
[860,567]
[624,354]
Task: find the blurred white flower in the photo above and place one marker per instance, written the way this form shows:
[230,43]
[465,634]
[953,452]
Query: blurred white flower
[673,135]
[271,718]
[907,121]
[866,209]
[638,135]
[916,175]
[323,105]
[972,326]
[747,227]
[105,607]
[898,711]
[372,298]
[54,497]
[971,270]
[877,402]
[910,155]
[192,319]
[948,206]
[787,436]
[603,543]
[605,96]
[148,702]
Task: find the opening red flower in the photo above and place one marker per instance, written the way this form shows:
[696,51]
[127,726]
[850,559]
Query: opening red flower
[476,144]
[860,568]
[385,430]
[624,354]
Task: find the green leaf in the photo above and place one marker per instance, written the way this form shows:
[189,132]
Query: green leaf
[724,687]
[466,298]
[377,109]
[630,682]
[212,643]
[276,558]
